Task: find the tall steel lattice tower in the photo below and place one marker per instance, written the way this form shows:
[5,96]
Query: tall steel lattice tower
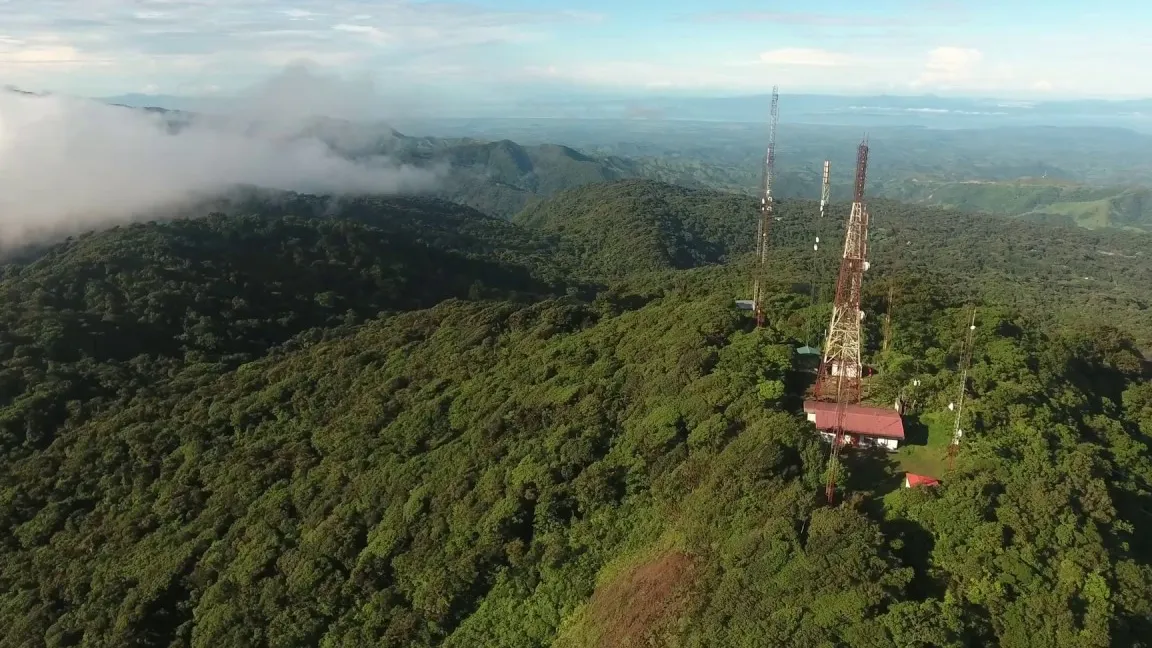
[841,369]
[825,189]
[767,213]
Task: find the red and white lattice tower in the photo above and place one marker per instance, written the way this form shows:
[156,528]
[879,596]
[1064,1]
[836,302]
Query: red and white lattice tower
[841,368]
[767,213]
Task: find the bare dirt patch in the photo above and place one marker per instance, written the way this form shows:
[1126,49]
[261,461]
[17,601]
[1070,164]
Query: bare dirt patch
[634,606]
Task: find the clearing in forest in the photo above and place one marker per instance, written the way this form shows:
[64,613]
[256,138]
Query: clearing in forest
[633,606]
[925,451]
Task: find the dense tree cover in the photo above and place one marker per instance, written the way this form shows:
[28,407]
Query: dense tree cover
[502,177]
[639,225]
[108,312]
[461,476]
[497,177]
[531,461]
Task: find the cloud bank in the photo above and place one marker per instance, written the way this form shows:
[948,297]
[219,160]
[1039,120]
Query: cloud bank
[68,165]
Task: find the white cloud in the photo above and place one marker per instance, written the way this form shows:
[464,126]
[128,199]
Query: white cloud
[373,33]
[948,65]
[68,165]
[299,14]
[181,44]
[743,76]
[804,57]
[20,59]
[146,41]
[281,57]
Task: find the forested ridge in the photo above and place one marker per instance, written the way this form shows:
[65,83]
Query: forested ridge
[302,422]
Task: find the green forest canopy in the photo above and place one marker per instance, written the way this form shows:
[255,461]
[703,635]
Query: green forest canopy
[406,423]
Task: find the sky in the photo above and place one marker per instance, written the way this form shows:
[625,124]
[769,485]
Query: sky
[483,50]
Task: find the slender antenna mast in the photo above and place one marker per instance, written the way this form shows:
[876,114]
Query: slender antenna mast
[825,189]
[841,368]
[766,214]
[888,317]
[825,196]
[965,362]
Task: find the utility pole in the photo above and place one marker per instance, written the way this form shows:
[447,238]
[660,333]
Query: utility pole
[841,368]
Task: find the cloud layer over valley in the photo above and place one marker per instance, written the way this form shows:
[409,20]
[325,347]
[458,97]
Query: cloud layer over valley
[69,165]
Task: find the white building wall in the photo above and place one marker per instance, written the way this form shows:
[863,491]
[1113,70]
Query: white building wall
[887,444]
[851,370]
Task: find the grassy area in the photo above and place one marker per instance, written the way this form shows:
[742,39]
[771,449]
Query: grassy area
[926,449]
[1089,214]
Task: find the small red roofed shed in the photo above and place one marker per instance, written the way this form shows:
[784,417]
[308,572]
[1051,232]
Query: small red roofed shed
[912,481]
[878,426]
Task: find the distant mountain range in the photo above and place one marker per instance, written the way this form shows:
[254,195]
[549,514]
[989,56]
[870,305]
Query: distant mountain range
[501,177]
[926,110]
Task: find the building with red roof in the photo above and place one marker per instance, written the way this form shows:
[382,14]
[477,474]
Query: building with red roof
[863,425]
[911,481]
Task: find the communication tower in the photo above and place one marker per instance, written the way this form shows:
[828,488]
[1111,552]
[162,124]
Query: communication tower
[825,188]
[965,363]
[841,368]
[767,212]
[842,365]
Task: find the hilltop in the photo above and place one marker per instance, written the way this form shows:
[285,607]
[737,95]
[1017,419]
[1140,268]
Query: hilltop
[641,225]
[497,177]
[296,421]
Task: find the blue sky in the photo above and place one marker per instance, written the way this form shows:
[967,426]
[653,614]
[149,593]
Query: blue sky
[510,48]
